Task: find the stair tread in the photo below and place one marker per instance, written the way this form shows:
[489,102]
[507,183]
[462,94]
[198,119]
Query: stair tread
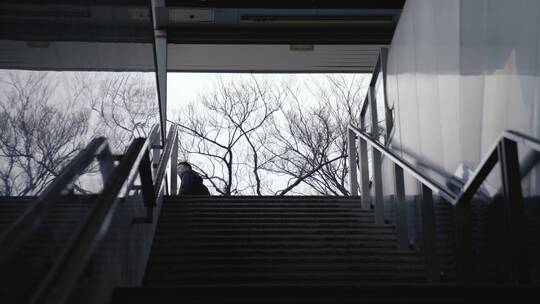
[288,251]
[269,219]
[330,292]
[270,237]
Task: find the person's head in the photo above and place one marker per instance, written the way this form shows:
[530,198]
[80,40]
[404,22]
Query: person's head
[183,167]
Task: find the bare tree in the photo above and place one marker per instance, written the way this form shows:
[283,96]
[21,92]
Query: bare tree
[226,131]
[252,136]
[125,104]
[311,148]
[38,137]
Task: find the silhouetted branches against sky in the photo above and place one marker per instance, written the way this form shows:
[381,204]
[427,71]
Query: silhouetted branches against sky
[46,118]
[268,135]
[225,127]
[246,134]
[124,104]
[37,138]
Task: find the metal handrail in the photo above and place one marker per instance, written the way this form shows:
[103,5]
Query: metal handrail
[433,185]
[472,184]
[26,224]
[62,277]
[118,180]
[504,151]
[487,164]
[172,138]
[56,286]
[152,189]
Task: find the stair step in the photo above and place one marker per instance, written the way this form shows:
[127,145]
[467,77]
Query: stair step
[267,277]
[295,220]
[274,213]
[374,253]
[268,263]
[268,211]
[169,229]
[253,240]
[263,245]
[271,237]
[12,208]
[266,257]
[271,225]
[277,268]
[332,292]
[273,205]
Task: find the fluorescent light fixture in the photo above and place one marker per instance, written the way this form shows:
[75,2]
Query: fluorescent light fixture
[368,20]
[302,47]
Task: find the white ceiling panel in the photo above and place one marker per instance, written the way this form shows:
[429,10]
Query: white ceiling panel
[271,58]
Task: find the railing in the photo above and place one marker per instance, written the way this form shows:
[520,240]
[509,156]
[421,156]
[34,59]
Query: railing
[505,152]
[118,181]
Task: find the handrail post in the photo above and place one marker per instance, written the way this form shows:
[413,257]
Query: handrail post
[515,270]
[401,209]
[377,160]
[430,236]
[174,166]
[364,173]
[155,144]
[145,173]
[353,177]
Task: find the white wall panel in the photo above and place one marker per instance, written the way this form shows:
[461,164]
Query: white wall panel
[460,73]
[446,49]
[429,122]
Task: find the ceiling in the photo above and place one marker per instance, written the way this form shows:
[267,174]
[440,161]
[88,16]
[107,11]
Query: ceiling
[203,36]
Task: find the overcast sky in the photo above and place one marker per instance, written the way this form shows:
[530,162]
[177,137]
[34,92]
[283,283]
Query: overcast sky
[183,88]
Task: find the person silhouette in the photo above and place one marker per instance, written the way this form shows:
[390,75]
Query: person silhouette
[192,182]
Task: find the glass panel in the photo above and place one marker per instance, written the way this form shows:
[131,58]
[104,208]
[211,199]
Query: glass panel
[68,74]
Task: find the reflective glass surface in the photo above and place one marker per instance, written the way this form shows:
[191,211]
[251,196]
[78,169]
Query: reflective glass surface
[70,72]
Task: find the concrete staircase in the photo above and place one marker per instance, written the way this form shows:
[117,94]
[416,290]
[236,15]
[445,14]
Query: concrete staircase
[271,244]
[250,250]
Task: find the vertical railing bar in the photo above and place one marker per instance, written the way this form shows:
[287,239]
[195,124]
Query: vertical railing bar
[147,184]
[353,177]
[155,140]
[166,189]
[401,210]
[377,172]
[430,236]
[174,166]
[377,181]
[515,263]
[364,173]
